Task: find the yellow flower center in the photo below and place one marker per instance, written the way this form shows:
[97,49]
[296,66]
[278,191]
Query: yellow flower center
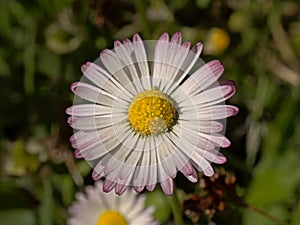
[152,112]
[111,217]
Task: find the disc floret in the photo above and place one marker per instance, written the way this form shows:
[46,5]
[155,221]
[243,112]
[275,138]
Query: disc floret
[152,112]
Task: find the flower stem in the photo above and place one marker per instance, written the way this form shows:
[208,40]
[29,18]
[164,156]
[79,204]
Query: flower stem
[176,208]
[275,220]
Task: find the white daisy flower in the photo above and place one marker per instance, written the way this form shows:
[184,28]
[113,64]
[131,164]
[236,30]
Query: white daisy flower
[99,208]
[154,108]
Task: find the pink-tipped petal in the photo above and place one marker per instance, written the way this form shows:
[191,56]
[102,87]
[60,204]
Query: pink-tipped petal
[176,38]
[108,185]
[213,156]
[227,82]
[117,43]
[96,175]
[138,188]
[164,37]
[167,186]
[193,177]
[215,112]
[151,187]
[78,154]
[137,37]
[120,189]
[208,171]
[187,170]
[202,78]
[186,45]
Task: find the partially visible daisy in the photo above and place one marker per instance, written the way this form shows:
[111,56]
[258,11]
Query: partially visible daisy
[153,109]
[99,208]
[217,41]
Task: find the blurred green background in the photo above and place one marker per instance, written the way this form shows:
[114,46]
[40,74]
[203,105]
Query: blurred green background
[43,44]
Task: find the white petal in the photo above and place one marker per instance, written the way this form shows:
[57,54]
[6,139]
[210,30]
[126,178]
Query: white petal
[108,186]
[193,137]
[177,67]
[94,94]
[210,97]
[93,145]
[144,217]
[203,78]
[159,58]
[210,113]
[165,153]
[189,62]
[124,54]
[142,172]
[146,173]
[142,61]
[201,164]
[191,175]
[105,81]
[95,122]
[135,211]
[119,70]
[130,165]
[171,61]
[213,156]
[84,110]
[167,186]
[192,151]
[127,202]
[204,126]
[171,156]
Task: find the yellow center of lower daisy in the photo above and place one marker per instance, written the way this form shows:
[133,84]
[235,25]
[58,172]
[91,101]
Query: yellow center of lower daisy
[111,217]
[152,112]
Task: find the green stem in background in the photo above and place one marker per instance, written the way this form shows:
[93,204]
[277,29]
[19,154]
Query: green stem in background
[281,39]
[275,220]
[29,62]
[176,208]
[141,9]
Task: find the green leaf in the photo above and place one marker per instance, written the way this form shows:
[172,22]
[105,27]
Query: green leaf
[161,204]
[296,216]
[65,184]
[48,63]
[277,211]
[202,4]
[275,179]
[45,209]
[17,217]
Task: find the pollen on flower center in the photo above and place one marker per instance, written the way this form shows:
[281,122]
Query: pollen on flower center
[111,217]
[152,112]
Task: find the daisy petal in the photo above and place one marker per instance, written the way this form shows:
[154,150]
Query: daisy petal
[94,123]
[105,81]
[167,186]
[108,185]
[204,126]
[120,189]
[190,61]
[94,94]
[203,78]
[124,54]
[211,113]
[114,66]
[142,61]
[213,156]
[201,164]
[217,112]
[83,110]
[210,97]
